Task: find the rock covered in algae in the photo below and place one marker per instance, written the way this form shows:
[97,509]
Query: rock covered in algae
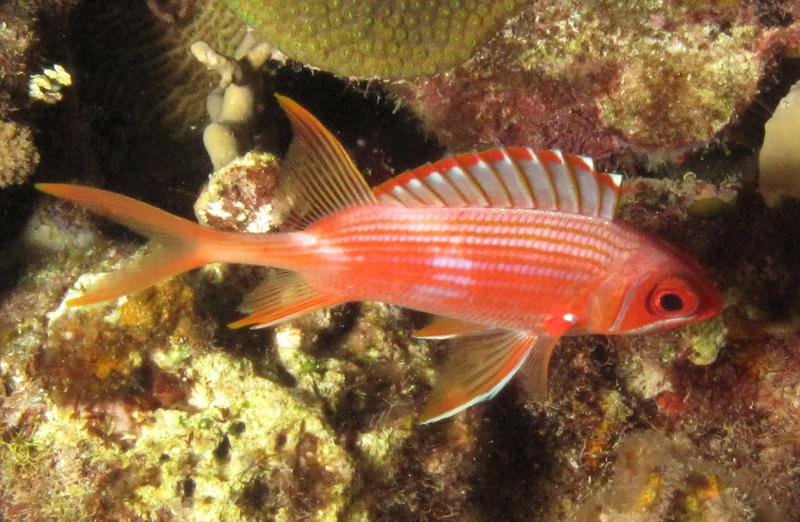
[601,77]
[142,409]
[126,410]
[241,448]
[240,196]
[18,154]
[657,478]
[377,38]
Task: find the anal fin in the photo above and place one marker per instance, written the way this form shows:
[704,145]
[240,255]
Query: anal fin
[442,327]
[281,296]
[479,367]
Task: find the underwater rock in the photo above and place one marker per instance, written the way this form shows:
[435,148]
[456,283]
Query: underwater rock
[779,158]
[660,478]
[251,450]
[603,77]
[239,196]
[245,449]
[101,352]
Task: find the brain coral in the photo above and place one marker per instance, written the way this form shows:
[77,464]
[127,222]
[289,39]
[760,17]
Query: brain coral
[129,47]
[383,38]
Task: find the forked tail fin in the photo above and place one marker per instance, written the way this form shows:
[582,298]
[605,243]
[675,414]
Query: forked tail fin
[176,244]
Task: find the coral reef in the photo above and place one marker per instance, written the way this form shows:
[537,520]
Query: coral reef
[380,38]
[150,408]
[604,77]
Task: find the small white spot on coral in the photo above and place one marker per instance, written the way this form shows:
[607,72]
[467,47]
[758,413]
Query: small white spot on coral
[217,209]
[262,220]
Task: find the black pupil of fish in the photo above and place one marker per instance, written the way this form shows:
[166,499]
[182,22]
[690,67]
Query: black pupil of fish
[670,302]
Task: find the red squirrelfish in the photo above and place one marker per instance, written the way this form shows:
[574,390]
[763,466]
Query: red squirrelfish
[509,248]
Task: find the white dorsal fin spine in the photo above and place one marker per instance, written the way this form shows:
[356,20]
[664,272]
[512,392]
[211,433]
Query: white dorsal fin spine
[317,175]
[514,177]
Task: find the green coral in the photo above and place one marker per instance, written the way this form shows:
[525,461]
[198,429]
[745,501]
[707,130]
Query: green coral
[380,38]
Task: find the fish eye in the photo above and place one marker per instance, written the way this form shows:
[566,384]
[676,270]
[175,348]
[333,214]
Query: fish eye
[673,296]
[670,302]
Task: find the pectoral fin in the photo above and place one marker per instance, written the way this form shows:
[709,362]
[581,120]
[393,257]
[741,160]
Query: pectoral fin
[477,368]
[534,373]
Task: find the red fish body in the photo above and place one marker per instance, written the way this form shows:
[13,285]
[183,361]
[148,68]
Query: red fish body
[510,248]
[504,268]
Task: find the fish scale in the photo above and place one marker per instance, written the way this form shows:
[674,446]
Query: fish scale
[510,248]
[393,250]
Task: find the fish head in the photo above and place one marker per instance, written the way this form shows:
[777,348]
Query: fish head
[658,287]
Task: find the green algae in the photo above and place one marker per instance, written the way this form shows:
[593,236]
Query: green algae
[272,427]
[195,464]
[705,340]
[377,38]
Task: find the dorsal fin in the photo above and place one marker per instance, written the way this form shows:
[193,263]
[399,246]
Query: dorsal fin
[516,177]
[317,175]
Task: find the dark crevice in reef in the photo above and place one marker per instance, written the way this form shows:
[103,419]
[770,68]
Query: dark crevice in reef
[748,129]
[514,456]
[383,136]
